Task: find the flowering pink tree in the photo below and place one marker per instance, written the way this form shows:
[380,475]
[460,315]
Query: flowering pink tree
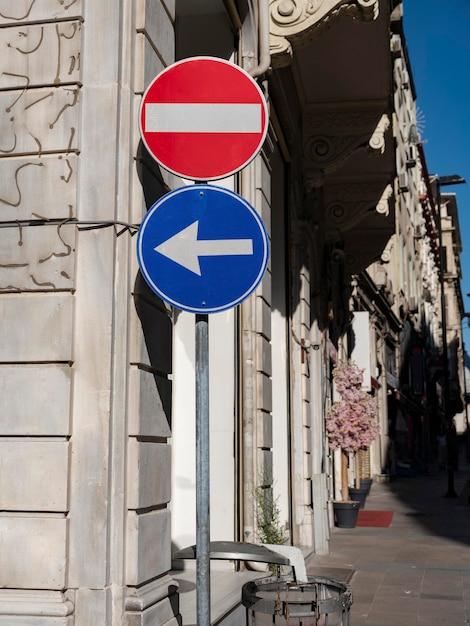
[351,422]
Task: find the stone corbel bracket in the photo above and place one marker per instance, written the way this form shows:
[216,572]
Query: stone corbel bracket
[377,141]
[296,22]
[347,205]
[383,205]
[331,137]
[387,252]
[362,255]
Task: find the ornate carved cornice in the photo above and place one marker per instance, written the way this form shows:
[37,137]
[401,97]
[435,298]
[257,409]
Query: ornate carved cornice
[331,137]
[296,22]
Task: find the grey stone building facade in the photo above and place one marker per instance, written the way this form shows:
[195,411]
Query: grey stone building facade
[97,471]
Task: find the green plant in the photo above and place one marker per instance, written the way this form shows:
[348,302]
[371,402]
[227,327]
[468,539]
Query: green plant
[268,520]
[268,516]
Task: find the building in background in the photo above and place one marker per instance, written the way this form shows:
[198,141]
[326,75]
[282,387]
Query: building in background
[97,432]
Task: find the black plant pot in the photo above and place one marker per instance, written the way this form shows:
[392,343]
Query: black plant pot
[346,513]
[358,494]
[367,483]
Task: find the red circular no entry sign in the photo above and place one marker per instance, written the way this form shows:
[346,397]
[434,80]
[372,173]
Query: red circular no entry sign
[203,118]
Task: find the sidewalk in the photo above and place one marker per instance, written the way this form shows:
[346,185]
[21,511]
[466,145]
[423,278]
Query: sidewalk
[416,571]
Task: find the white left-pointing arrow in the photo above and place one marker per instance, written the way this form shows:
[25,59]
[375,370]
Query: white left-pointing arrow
[185,248]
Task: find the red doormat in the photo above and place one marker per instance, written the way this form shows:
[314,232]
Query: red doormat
[376,519]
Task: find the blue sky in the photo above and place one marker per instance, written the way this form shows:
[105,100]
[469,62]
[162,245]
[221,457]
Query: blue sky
[438,39]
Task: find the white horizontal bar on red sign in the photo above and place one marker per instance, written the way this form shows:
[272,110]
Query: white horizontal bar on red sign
[202,118]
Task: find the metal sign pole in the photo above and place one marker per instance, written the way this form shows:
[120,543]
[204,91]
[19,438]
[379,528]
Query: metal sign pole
[202,472]
[169,247]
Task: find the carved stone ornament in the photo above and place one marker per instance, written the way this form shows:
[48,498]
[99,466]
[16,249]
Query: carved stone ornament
[342,216]
[347,205]
[332,137]
[387,252]
[300,21]
[377,141]
[383,206]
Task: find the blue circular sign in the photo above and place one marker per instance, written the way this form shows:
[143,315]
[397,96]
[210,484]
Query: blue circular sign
[202,248]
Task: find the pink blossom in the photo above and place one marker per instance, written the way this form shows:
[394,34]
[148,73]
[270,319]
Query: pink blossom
[351,422]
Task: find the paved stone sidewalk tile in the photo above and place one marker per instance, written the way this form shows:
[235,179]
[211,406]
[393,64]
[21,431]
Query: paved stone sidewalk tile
[416,572]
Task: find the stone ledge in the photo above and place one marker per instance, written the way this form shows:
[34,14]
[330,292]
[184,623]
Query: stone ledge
[34,603]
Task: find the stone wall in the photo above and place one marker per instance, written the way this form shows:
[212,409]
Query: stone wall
[85,349]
